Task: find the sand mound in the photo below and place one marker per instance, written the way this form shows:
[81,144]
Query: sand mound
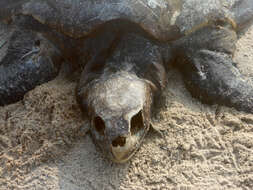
[44,144]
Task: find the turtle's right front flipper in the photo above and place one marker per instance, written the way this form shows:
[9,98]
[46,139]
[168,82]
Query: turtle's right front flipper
[27,59]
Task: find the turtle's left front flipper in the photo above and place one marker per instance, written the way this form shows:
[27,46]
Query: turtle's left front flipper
[205,59]
[213,78]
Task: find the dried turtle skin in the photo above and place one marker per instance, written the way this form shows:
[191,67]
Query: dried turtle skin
[117,93]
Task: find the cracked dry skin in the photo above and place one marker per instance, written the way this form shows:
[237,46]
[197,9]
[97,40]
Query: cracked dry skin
[44,146]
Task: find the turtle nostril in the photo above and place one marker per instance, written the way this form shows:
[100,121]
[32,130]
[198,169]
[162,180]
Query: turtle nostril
[119,141]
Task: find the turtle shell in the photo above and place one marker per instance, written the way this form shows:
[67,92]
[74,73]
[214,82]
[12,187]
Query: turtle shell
[163,19]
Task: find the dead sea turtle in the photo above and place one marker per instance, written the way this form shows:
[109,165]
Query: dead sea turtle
[124,47]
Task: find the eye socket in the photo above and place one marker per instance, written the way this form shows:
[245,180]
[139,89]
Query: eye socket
[137,123]
[99,125]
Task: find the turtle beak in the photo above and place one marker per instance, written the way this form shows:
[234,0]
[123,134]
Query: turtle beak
[124,147]
[120,138]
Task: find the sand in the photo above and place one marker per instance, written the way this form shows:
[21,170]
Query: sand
[44,142]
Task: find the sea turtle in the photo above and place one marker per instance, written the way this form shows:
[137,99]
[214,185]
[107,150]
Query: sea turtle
[123,48]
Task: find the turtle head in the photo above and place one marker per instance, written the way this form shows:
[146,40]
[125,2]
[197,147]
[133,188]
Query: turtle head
[119,112]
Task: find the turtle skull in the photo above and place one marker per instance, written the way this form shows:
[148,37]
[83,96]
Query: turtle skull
[120,115]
